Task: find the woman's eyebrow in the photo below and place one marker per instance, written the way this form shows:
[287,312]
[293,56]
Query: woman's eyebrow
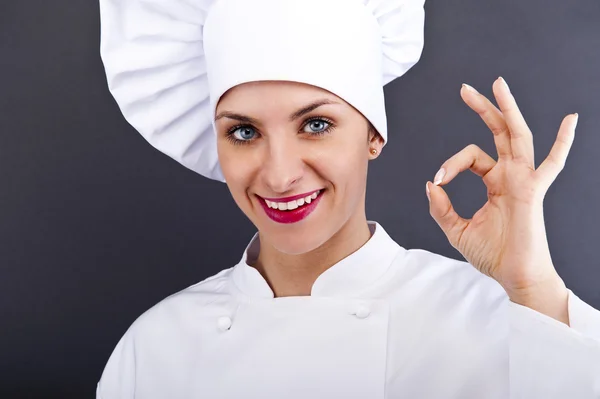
[310,107]
[302,111]
[239,117]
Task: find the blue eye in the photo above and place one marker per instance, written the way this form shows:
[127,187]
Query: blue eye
[244,133]
[317,126]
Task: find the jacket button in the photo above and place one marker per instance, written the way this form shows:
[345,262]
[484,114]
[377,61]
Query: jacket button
[224,323]
[363,312]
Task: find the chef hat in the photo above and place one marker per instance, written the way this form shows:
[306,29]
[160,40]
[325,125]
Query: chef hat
[168,62]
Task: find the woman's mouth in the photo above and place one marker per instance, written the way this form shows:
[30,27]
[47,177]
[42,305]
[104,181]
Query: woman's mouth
[291,211]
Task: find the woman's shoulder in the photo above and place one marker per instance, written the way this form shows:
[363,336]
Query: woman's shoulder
[442,282]
[441,269]
[193,301]
[171,326]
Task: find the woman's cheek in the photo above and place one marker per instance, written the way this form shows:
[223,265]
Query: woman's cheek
[234,162]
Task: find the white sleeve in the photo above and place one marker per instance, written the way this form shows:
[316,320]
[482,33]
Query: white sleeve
[551,360]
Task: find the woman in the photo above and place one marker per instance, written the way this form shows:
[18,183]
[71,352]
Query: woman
[323,303]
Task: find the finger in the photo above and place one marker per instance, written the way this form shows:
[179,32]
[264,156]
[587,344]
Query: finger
[521,139]
[471,157]
[555,161]
[442,211]
[492,117]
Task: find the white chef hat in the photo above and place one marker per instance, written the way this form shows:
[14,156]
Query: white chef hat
[169,61]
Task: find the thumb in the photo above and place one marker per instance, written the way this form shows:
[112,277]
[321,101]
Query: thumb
[442,211]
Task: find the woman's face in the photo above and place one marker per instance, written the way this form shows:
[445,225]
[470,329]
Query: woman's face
[279,139]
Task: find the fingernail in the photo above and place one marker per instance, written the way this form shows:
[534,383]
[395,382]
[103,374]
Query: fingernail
[427,191]
[466,86]
[576,120]
[504,83]
[439,176]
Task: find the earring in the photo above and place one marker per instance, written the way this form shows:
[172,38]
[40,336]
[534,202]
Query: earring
[373,151]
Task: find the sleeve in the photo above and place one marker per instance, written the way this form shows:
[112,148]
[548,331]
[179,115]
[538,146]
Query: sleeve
[551,360]
[118,378]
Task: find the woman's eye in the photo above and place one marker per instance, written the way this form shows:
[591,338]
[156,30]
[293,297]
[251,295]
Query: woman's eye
[317,126]
[244,133]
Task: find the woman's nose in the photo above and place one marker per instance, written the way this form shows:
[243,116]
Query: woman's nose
[282,167]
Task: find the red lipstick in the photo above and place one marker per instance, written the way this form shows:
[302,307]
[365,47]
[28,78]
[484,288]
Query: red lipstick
[294,215]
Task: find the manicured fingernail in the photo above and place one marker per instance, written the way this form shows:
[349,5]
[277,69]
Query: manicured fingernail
[439,176]
[504,83]
[427,191]
[466,86]
[576,120]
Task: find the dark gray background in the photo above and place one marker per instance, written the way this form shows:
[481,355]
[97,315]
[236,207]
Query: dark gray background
[96,226]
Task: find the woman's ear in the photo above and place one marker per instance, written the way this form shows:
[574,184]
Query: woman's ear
[375,142]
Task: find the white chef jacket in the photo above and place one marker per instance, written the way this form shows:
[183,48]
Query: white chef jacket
[384,322]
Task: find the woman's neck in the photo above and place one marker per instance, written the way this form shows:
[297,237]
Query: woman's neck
[294,275]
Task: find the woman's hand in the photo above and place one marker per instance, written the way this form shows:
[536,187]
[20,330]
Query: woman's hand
[506,238]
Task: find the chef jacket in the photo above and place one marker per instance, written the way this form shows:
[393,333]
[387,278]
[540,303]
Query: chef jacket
[384,322]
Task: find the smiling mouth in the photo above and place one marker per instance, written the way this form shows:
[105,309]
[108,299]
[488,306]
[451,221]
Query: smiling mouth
[294,210]
[293,204]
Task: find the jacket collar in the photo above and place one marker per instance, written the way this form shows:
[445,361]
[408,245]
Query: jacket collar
[348,277]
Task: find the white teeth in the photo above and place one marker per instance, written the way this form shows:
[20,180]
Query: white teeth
[284,206]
